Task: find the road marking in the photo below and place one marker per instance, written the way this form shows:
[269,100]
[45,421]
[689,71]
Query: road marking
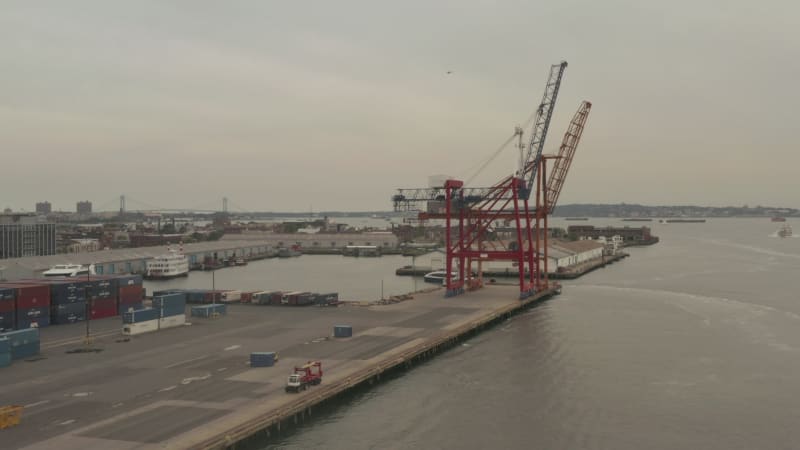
[117,405]
[187,361]
[167,389]
[190,379]
[222,369]
[37,403]
[232,347]
[67,422]
[81,394]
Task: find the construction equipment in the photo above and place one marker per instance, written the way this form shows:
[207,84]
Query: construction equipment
[10,416]
[309,374]
[472,214]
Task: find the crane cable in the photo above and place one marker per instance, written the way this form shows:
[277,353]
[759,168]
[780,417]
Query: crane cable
[500,149]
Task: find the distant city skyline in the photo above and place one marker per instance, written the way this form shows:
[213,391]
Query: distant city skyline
[333,105]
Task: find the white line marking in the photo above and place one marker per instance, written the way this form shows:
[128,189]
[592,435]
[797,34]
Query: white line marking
[67,422]
[222,369]
[81,394]
[232,347]
[190,379]
[167,389]
[187,361]
[37,403]
[116,405]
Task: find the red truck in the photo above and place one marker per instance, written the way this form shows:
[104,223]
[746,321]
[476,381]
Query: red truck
[304,376]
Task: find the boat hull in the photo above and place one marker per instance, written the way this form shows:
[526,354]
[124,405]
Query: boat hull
[148,276]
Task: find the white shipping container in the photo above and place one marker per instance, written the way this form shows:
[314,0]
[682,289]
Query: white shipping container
[130,329]
[171,321]
[231,296]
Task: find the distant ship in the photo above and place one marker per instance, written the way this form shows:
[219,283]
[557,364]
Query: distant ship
[779,219]
[69,270]
[785,231]
[170,265]
[683,220]
[294,250]
[637,219]
[576,218]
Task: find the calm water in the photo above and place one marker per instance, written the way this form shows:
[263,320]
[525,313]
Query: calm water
[690,344]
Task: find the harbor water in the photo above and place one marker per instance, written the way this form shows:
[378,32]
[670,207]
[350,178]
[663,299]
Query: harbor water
[690,343]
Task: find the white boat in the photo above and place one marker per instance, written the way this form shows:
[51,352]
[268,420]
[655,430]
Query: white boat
[785,231]
[171,265]
[69,270]
[438,276]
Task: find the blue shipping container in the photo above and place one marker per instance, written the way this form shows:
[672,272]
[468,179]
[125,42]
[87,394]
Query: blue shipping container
[64,319]
[262,359]
[7,322]
[5,345]
[209,310]
[342,331]
[7,293]
[25,350]
[68,308]
[5,359]
[103,288]
[129,280]
[140,315]
[68,292]
[24,322]
[20,337]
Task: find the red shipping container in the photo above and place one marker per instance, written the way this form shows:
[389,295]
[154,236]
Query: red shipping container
[103,307]
[131,294]
[31,295]
[7,305]
[247,297]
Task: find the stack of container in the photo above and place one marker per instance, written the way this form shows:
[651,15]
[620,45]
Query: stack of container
[130,293]
[67,301]
[297,298]
[262,359]
[140,321]
[326,299]
[247,297]
[32,304]
[102,297]
[24,343]
[231,296]
[171,308]
[209,310]
[5,351]
[7,309]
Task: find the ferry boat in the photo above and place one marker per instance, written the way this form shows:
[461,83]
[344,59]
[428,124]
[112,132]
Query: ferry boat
[438,276]
[171,265]
[779,219]
[785,231]
[69,270]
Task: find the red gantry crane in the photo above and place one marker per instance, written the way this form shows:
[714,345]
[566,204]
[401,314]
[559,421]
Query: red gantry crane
[476,217]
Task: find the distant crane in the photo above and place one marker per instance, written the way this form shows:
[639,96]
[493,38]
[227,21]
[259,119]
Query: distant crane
[476,211]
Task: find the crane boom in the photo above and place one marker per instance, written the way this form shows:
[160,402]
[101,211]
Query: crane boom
[544,113]
[565,154]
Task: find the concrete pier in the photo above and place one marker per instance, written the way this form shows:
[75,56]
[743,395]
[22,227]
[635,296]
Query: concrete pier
[192,387]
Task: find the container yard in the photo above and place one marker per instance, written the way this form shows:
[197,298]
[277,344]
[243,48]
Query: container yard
[219,378]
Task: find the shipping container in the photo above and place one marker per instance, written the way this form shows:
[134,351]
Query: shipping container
[33,318]
[131,329]
[172,321]
[30,295]
[8,321]
[20,337]
[7,293]
[209,310]
[5,344]
[7,305]
[131,294]
[102,307]
[171,305]
[140,315]
[67,313]
[262,359]
[128,280]
[5,359]
[25,350]
[101,287]
[342,331]
[246,297]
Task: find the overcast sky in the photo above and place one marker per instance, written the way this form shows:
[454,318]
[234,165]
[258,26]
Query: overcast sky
[332,105]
